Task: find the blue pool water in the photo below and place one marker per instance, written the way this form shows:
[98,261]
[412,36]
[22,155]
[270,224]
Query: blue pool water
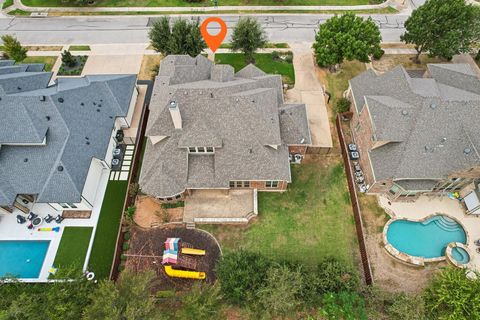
[22,259]
[426,239]
[460,255]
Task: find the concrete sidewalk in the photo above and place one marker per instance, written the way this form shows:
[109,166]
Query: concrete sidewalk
[19,5]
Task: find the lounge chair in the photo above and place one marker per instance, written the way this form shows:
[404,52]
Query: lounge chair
[49,218]
[32,216]
[21,219]
[478,250]
[59,219]
[477,242]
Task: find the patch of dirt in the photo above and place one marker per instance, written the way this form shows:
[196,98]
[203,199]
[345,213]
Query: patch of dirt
[149,213]
[389,61]
[389,273]
[147,247]
[149,67]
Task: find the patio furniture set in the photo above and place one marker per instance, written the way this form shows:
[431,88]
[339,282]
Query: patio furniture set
[34,220]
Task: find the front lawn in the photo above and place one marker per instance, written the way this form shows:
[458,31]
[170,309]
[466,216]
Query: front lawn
[49,61]
[263,61]
[310,221]
[103,248]
[79,48]
[73,247]
[182,3]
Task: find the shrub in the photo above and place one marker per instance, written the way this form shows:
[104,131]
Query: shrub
[343,305]
[406,307]
[68,59]
[289,58]
[275,55]
[241,275]
[477,57]
[202,302]
[123,257]
[125,246]
[130,212]
[127,236]
[331,276]
[343,105]
[281,294]
[377,54]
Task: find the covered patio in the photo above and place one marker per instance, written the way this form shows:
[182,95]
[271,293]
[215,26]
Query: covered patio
[220,206]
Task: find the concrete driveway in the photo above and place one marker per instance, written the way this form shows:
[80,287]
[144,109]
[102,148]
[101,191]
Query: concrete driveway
[309,90]
[112,64]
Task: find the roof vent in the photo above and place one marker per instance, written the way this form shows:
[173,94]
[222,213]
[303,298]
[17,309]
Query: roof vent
[19,88]
[87,143]
[82,104]
[48,118]
[60,100]
[25,160]
[303,140]
[467,150]
[433,105]
[175,114]
[60,168]
[404,113]
[42,98]
[251,150]
[98,110]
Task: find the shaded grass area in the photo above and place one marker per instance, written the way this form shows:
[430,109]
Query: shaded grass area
[182,3]
[73,247]
[49,61]
[387,10]
[19,12]
[312,220]
[79,48]
[337,82]
[280,45]
[263,61]
[103,248]
[44,48]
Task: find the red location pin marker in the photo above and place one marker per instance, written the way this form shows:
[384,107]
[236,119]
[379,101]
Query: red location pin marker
[213,42]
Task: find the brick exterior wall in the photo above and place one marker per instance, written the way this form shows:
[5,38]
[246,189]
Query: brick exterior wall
[297,149]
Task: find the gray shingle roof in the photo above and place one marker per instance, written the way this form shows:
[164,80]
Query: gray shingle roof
[238,115]
[431,124]
[76,121]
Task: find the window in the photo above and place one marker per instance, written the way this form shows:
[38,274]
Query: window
[394,190]
[63,205]
[169,199]
[178,196]
[72,205]
[271,184]
[201,149]
[239,184]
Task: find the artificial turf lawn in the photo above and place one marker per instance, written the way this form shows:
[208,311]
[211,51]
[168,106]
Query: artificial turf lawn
[182,3]
[103,248]
[263,61]
[49,61]
[312,220]
[73,247]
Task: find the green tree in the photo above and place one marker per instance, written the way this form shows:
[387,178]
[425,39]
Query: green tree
[202,302]
[129,298]
[248,36]
[346,37]
[281,294]
[184,37]
[13,49]
[241,275]
[442,28]
[451,295]
[68,59]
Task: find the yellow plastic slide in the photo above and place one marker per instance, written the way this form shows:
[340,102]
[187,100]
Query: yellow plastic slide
[184,274]
[194,252]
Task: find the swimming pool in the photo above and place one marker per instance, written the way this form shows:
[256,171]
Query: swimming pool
[427,239]
[460,255]
[22,259]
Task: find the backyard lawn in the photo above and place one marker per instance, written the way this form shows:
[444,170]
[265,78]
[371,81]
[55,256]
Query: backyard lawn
[103,249]
[73,247]
[182,3]
[263,61]
[310,221]
[49,61]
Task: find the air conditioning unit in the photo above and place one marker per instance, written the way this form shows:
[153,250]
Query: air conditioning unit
[297,158]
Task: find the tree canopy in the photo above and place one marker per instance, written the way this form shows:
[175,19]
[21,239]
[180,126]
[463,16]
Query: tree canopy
[248,36]
[13,49]
[183,37]
[346,37]
[443,28]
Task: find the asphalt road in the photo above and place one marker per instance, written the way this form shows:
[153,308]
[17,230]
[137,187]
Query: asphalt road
[134,29]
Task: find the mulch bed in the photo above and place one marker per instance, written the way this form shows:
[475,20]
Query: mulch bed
[149,243]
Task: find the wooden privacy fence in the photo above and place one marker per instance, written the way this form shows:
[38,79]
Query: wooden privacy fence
[355,204]
[133,177]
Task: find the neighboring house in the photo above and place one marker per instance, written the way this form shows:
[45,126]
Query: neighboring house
[55,140]
[211,128]
[417,133]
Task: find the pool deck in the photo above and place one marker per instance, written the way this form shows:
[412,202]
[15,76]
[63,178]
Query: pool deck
[426,206]
[11,230]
